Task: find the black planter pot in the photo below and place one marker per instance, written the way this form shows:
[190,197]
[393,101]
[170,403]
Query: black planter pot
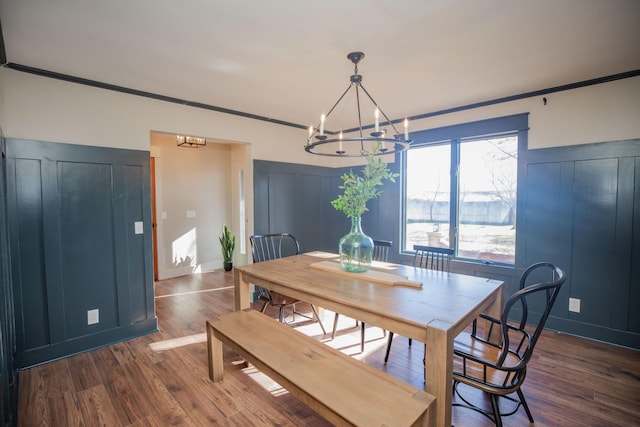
[228,266]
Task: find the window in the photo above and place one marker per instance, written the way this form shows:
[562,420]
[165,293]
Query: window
[461,192]
[428,191]
[487,199]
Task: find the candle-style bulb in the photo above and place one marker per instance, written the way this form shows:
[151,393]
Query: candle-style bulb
[406,129]
[377,114]
[322,119]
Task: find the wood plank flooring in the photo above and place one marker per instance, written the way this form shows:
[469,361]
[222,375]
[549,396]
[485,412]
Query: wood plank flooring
[161,379]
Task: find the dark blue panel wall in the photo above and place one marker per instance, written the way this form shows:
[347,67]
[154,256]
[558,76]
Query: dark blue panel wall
[295,199]
[582,209]
[594,222]
[634,291]
[72,212]
[283,203]
[578,207]
[8,369]
[87,250]
[28,253]
[138,298]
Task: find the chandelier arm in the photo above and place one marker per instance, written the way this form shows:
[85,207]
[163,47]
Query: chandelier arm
[358,109]
[379,109]
[338,101]
[359,114]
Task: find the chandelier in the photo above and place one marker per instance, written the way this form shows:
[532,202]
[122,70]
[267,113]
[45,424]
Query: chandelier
[190,141]
[325,143]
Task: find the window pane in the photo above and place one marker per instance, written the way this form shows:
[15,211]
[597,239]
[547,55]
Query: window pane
[428,191]
[487,199]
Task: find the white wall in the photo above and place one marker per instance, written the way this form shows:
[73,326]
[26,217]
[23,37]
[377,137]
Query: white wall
[206,180]
[605,112]
[33,107]
[45,109]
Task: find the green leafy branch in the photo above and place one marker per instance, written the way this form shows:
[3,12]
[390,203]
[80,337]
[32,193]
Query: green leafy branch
[359,189]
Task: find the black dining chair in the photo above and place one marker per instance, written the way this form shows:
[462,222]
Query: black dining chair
[433,258]
[380,253]
[272,246]
[499,368]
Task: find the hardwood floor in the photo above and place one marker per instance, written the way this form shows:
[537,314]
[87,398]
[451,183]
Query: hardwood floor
[161,379]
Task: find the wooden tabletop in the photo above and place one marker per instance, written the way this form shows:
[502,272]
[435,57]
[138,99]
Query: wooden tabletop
[433,313]
[444,297]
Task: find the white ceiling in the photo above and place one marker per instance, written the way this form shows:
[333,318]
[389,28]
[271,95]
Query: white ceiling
[286,59]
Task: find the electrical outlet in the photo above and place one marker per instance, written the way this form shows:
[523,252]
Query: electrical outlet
[93,316]
[574,305]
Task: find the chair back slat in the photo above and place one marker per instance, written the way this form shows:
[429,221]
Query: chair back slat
[515,314]
[381,250]
[265,247]
[432,257]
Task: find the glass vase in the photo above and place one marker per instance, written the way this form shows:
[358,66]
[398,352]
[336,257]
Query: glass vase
[356,249]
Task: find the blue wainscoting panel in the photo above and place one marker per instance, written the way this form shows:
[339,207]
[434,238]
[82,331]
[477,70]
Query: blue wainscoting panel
[75,249]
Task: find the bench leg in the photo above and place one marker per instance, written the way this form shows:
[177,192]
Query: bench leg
[214,346]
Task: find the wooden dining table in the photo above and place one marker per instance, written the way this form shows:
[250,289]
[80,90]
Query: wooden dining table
[426,305]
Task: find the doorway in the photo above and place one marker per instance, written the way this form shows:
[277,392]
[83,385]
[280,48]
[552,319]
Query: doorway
[195,192]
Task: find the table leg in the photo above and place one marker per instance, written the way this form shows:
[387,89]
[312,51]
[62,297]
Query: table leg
[495,311]
[438,371]
[214,346]
[241,291]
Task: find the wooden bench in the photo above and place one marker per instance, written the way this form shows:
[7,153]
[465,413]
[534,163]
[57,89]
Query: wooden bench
[343,390]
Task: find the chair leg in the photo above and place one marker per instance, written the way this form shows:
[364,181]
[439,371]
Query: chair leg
[496,410]
[264,307]
[361,337]
[524,404]
[335,325]
[410,341]
[281,314]
[424,363]
[315,313]
[386,356]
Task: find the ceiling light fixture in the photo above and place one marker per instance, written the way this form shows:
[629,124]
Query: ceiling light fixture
[359,145]
[191,141]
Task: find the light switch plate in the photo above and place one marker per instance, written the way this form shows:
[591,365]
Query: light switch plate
[574,305]
[139,227]
[191,214]
[93,316]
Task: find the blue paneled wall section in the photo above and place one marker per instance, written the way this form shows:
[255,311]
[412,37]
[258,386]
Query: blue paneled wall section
[579,207]
[583,211]
[297,198]
[74,247]
[8,369]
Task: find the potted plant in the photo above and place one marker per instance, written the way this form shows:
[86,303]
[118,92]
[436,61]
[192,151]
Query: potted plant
[356,248]
[228,243]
